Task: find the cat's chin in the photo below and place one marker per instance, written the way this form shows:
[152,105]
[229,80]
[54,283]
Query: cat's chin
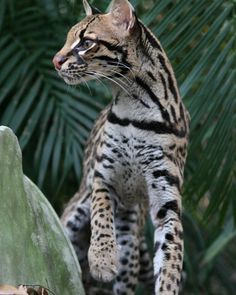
[71,81]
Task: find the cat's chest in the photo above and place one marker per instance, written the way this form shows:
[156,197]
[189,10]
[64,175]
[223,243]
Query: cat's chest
[127,174]
[128,153]
[124,146]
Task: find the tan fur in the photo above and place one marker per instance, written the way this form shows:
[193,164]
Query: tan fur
[135,155]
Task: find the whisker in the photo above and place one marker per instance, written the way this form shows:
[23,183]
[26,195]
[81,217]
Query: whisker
[113,80]
[122,65]
[85,82]
[97,78]
[120,74]
[120,80]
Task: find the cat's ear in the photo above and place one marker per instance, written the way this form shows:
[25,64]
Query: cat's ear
[89,9]
[122,13]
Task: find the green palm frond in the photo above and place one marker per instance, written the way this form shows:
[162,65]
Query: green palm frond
[199,39]
[52,120]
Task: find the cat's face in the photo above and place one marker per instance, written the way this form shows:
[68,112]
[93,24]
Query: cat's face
[100,45]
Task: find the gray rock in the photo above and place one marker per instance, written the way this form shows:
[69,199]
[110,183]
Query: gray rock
[33,247]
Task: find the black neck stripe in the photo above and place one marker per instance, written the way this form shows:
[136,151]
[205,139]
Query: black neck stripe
[154,98]
[154,126]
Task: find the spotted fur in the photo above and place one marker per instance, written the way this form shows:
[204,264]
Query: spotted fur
[134,160]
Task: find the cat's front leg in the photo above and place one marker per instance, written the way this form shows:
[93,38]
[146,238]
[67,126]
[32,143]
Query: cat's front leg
[103,254]
[165,209]
[127,233]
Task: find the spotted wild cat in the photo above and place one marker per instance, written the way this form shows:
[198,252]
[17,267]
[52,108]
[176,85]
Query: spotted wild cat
[135,156]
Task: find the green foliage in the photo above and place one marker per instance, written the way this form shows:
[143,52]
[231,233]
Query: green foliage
[53,120]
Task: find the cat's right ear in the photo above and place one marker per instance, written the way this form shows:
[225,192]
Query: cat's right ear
[122,14]
[89,9]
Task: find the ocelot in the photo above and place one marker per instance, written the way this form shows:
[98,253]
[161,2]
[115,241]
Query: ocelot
[135,156]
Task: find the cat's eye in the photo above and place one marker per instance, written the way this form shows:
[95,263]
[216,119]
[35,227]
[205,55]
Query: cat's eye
[86,43]
[83,46]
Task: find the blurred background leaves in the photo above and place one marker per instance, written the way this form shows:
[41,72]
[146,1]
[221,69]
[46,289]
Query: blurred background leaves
[52,120]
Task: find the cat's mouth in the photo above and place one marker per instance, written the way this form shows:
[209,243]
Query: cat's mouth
[76,78]
[69,78]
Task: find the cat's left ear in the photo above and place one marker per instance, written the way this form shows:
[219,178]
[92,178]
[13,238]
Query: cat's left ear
[89,9]
[122,13]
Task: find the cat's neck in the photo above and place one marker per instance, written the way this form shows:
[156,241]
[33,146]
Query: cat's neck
[150,88]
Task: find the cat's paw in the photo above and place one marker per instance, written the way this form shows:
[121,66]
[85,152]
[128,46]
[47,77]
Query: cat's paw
[103,261]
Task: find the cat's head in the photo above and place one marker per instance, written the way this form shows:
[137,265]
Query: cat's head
[100,45]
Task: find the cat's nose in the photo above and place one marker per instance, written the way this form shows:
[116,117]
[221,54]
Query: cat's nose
[59,60]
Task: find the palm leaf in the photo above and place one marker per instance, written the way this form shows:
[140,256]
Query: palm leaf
[38,97]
